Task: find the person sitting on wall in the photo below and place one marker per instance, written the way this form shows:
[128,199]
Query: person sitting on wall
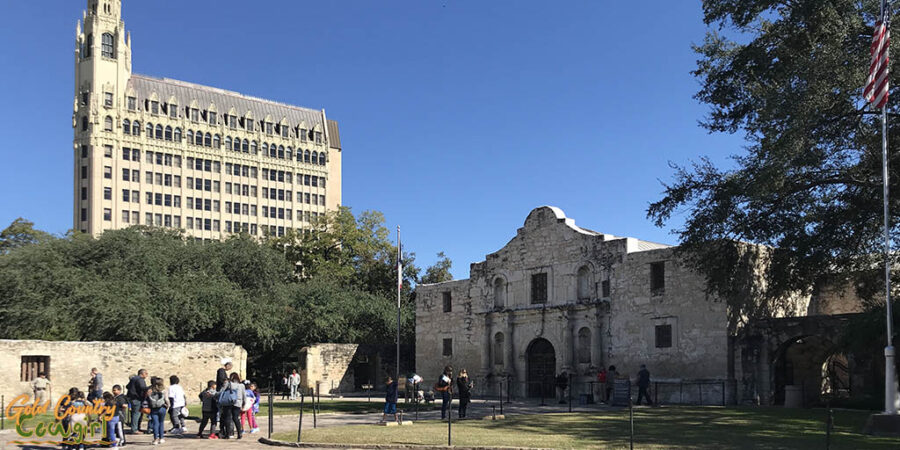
[444,385]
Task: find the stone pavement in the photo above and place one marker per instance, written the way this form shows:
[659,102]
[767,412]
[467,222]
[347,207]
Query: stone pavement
[288,423]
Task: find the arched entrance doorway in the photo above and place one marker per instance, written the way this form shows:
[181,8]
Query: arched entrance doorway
[541,368]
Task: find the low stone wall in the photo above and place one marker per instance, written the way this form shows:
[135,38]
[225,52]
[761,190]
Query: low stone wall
[70,363]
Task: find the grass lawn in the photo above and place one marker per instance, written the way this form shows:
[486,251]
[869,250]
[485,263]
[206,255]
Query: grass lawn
[770,428]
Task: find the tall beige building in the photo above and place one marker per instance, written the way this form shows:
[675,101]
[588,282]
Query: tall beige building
[156,151]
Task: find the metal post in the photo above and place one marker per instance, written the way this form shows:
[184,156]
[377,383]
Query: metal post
[570,392]
[656,393]
[494,412]
[508,382]
[501,396]
[318,396]
[399,286]
[2,412]
[631,419]
[416,388]
[723,393]
[449,420]
[300,423]
[700,389]
[315,407]
[829,423]
[890,392]
[271,421]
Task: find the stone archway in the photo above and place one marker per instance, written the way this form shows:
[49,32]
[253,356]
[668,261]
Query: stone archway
[541,368]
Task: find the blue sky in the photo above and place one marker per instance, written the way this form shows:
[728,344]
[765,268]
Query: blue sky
[457,117]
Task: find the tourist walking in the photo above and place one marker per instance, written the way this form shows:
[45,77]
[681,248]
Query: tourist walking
[562,383]
[158,403]
[294,383]
[643,383]
[230,401]
[392,393]
[285,387]
[121,402]
[444,385]
[208,410]
[177,401]
[40,386]
[136,389]
[601,381]
[611,376]
[95,385]
[464,386]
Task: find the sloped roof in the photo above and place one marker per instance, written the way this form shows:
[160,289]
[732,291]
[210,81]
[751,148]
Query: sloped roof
[185,92]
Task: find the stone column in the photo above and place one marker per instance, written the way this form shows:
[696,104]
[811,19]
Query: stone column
[597,343]
[509,358]
[568,342]
[486,357]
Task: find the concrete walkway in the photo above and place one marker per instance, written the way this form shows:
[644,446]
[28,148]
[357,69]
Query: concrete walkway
[289,423]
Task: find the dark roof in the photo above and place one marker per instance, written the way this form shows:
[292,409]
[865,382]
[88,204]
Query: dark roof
[144,86]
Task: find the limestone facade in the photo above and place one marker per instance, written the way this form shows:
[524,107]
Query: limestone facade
[162,152]
[595,298]
[70,363]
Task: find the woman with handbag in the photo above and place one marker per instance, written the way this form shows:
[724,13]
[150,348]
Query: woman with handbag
[231,401]
[158,403]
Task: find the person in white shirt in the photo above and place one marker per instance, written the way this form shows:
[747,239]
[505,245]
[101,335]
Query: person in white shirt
[294,381]
[177,404]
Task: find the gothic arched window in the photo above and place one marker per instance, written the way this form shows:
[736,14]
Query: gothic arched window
[149,130]
[207,140]
[198,138]
[108,49]
[190,136]
[159,131]
[253,147]
[126,126]
[245,146]
[136,128]
[227,142]
[168,133]
[315,158]
[107,123]
[177,134]
[306,156]
[217,141]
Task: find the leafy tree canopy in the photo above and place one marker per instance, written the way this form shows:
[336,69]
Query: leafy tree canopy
[439,272]
[808,183]
[21,232]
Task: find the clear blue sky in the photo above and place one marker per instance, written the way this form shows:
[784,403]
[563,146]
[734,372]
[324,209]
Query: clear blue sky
[457,117]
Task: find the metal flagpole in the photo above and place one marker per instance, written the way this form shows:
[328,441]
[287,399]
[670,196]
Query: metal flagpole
[890,392]
[399,285]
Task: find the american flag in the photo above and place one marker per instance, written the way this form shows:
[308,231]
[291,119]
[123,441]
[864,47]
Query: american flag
[877,86]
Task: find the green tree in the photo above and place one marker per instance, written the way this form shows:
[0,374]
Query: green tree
[438,272]
[19,233]
[808,183]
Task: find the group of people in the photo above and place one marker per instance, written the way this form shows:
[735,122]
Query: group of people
[607,378]
[290,385]
[228,401]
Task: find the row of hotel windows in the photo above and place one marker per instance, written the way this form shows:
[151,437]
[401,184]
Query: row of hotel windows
[207,165]
[215,141]
[192,223]
[161,199]
[211,117]
[205,116]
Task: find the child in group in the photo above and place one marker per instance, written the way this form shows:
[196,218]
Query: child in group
[112,424]
[121,402]
[250,413]
[390,398]
[208,399]
[177,401]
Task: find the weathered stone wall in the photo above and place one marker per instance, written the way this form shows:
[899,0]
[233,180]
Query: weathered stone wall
[493,319]
[330,365]
[70,363]
[699,333]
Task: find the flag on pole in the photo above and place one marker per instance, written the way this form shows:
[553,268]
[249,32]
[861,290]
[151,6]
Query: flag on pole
[877,86]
